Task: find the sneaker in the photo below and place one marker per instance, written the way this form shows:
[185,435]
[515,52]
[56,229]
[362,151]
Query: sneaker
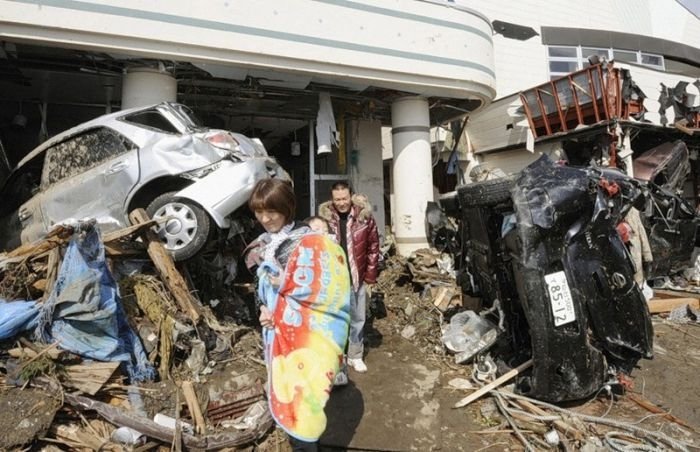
[341,379]
[357,364]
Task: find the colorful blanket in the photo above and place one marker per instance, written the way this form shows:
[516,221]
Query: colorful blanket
[311,311]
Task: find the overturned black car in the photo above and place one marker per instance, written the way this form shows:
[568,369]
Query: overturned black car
[543,251]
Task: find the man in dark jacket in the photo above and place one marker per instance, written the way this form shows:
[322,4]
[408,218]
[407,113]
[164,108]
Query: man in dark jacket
[350,219]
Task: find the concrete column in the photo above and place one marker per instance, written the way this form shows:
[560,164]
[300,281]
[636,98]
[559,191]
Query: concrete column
[412,173]
[146,86]
[366,167]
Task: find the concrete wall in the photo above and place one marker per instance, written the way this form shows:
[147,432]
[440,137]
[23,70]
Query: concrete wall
[520,64]
[428,48]
[523,64]
[503,124]
[366,167]
[514,161]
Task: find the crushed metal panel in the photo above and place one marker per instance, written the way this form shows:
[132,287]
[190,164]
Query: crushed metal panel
[666,165]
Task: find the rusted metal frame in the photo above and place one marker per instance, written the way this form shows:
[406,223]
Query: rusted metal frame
[618,94]
[544,111]
[604,87]
[579,113]
[555,94]
[594,97]
[612,92]
[528,113]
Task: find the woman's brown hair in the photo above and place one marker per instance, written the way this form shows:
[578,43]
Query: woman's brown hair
[274,194]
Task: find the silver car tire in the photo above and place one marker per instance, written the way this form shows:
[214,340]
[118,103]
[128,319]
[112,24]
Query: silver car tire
[187,227]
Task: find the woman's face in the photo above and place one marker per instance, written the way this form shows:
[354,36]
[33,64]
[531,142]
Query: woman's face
[271,220]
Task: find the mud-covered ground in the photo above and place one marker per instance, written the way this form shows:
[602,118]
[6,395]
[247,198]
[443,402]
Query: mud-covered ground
[404,402]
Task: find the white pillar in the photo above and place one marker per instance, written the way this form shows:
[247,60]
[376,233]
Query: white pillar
[367,170]
[412,173]
[145,86]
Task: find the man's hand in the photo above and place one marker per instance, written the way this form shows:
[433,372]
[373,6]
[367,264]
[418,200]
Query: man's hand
[266,319]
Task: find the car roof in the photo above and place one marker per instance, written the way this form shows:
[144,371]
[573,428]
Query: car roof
[99,121]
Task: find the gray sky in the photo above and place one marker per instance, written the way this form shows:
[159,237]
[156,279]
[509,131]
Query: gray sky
[692,5]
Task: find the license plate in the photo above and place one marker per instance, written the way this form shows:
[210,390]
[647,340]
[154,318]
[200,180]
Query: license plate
[560,298]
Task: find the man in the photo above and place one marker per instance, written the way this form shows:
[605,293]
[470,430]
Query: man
[350,219]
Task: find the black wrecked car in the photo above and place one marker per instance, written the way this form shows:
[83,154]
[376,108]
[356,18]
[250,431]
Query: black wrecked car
[542,251]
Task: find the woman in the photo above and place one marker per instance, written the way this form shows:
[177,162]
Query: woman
[304,286]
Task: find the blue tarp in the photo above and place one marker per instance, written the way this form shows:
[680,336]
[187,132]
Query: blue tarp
[17,316]
[83,312]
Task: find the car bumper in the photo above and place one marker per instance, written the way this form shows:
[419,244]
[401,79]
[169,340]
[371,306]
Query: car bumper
[228,187]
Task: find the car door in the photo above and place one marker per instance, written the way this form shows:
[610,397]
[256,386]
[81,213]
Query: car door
[90,176]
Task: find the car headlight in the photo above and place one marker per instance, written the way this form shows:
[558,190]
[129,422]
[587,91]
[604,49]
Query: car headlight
[222,140]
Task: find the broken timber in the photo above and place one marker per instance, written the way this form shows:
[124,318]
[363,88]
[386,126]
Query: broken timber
[166,268]
[667,301]
[494,384]
[193,406]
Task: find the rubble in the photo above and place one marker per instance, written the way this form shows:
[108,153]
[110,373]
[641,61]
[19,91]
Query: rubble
[92,386]
[535,424]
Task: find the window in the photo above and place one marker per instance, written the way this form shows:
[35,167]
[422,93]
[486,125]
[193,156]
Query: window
[562,60]
[565,59]
[153,120]
[563,66]
[653,60]
[568,52]
[22,185]
[625,55]
[82,152]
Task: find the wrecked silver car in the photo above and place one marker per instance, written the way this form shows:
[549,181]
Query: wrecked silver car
[543,252]
[155,157]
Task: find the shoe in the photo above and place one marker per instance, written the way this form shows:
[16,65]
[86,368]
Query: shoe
[341,379]
[357,364]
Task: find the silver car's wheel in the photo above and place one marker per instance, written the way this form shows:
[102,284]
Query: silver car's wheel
[185,226]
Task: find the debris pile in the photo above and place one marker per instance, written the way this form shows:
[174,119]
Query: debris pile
[105,345]
[427,307]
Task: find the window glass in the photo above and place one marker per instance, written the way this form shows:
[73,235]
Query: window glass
[563,60]
[22,185]
[625,55]
[562,66]
[82,152]
[652,60]
[588,51]
[563,52]
[188,114]
[153,120]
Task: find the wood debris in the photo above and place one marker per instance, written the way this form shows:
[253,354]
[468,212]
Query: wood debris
[159,304]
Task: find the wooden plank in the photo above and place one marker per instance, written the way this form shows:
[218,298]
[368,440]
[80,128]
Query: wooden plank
[665,293]
[165,265]
[128,231]
[660,305]
[494,384]
[90,377]
[441,295]
[56,237]
[193,405]
[647,405]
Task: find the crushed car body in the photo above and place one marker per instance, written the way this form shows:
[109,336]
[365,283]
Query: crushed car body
[670,221]
[543,251]
[156,157]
